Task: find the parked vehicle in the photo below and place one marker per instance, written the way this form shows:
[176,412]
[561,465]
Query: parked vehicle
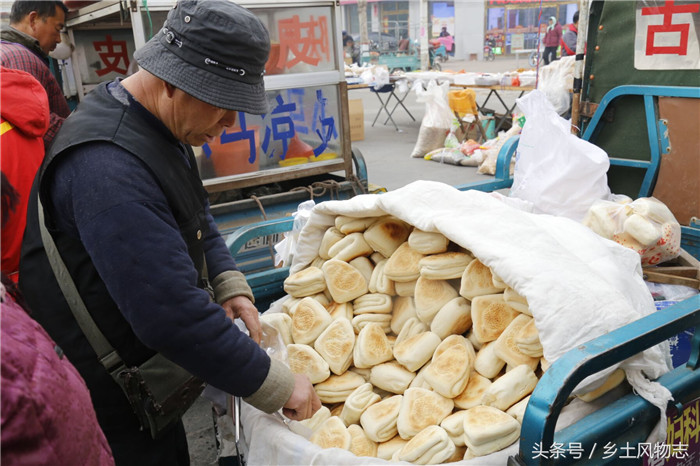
[380,42]
[438,50]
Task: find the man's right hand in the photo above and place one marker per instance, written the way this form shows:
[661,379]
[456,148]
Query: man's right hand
[304,401]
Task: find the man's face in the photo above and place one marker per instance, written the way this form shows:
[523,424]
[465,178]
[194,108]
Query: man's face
[48,30]
[195,122]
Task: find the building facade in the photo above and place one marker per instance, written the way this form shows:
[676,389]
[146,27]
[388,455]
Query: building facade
[512,24]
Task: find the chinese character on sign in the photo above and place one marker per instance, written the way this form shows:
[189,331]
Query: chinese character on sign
[277,136]
[674,429]
[306,40]
[668,27]
[243,134]
[691,423]
[112,53]
[327,123]
[282,127]
[667,35]
[289,118]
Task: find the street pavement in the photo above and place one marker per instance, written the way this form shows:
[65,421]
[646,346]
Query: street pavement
[389,165]
[387,151]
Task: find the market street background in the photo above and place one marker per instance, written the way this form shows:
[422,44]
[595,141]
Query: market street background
[387,152]
[389,165]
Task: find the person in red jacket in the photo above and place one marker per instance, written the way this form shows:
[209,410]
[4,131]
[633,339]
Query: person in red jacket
[551,40]
[24,109]
[568,39]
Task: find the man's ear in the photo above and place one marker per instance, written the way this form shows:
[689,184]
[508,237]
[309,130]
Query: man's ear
[33,18]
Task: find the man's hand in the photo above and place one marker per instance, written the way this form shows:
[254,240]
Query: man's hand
[241,306]
[304,401]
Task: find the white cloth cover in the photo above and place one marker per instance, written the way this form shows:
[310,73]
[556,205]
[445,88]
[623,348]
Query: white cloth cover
[578,285]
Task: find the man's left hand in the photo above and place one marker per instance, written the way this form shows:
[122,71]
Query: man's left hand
[241,307]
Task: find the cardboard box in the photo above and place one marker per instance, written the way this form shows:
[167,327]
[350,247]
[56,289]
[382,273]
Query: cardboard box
[357,120]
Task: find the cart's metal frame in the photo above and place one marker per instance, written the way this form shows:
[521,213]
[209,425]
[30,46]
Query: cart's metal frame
[628,420]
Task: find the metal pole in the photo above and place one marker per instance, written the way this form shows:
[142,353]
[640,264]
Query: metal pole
[423,31]
[578,65]
[364,36]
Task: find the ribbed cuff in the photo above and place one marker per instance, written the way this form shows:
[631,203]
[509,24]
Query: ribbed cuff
[229,284]
[275,390]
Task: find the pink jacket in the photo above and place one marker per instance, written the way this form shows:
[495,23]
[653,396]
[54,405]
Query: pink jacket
[47,416]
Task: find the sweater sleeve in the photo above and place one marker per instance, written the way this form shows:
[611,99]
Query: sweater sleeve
[108,198]
[226,279]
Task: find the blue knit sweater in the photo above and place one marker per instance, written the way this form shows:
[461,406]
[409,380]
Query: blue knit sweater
[108,198]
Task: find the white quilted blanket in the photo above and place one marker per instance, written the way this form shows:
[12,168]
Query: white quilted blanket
[578,285]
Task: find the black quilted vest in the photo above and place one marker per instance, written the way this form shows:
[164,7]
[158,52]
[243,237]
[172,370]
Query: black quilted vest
[100,117]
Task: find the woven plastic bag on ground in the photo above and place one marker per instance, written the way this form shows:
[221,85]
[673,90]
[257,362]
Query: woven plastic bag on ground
[437,120]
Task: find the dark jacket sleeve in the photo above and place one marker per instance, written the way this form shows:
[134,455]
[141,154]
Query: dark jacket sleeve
[227,280]
[110,200]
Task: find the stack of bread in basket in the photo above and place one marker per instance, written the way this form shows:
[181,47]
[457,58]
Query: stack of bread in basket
[417,350]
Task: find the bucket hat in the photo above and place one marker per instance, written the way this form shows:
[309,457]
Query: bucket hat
[215,51]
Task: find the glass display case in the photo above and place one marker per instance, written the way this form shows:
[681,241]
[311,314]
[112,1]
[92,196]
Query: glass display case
[306,132]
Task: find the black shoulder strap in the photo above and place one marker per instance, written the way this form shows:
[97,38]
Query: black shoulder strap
[106,354]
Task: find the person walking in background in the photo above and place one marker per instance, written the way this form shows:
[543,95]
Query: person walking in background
[568,39]
[350,49]
[24,110]
[551,40]
[35,30]
[46,416]
[124,204]
[447,40]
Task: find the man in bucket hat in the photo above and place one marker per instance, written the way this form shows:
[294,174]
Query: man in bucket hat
[124,204]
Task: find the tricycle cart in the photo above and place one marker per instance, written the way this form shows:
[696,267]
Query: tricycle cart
[641,125]
[615,433]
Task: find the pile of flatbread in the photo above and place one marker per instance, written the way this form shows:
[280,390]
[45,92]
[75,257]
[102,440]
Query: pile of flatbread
[417,350]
